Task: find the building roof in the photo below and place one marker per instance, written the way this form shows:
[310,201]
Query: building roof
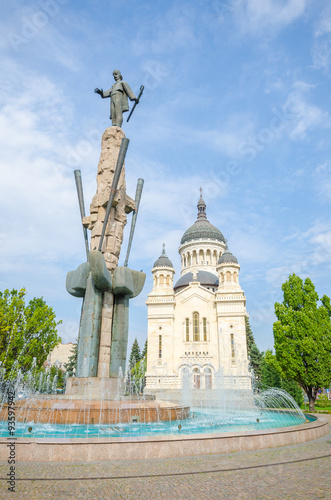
[163,260]
[202,228]
[204,277]
[227,258]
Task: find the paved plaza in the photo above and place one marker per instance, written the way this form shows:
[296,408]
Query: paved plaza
[293,472]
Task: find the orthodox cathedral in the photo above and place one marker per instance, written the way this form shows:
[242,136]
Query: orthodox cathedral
[196,326]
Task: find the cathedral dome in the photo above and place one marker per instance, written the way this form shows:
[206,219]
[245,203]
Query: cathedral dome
[227,258]
[204,277]
[202,228]
[163,260]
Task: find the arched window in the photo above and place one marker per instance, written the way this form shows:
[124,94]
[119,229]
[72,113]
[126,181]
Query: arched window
[187,330]
[204,329]
[168,279]
[161,279]
[233,359]
[208,378]
[201,257]
[208,257]
[196,327]
[228,276]
[196,378]
[160,346]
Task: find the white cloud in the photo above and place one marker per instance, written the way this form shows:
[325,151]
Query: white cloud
[324,22]
[304,116]
[322,177]
[321,48]
[37,195]
[172,31]
[321,54]
[269,16]
[307,252]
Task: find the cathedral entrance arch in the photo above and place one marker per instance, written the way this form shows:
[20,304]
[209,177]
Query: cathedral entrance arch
[196,379]
[208,378]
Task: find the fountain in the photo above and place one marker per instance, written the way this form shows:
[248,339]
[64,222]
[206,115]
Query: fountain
[95,419]
[128,427]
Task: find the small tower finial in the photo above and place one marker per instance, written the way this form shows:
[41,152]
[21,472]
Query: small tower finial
[163,251]
[201,207]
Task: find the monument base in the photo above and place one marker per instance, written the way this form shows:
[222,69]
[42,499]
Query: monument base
[52,409]
[91,388]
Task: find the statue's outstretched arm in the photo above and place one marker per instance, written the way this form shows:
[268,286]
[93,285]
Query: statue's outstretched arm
[103,93]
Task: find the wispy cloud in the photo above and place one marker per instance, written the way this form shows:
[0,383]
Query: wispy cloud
[269,16]
[306,116]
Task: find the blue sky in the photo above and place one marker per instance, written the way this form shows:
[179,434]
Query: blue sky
[236,100]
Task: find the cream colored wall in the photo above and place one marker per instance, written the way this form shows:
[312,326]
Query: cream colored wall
[195,298]
[231,312]
[60,354]
[225,312]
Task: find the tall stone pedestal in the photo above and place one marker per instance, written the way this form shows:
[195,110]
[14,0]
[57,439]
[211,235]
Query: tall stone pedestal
[122,205]
[104,286]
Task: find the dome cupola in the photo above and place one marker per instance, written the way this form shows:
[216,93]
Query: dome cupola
[227,258]
[163,260]
[202,228]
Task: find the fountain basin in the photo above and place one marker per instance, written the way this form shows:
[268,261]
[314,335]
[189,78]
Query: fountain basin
[130,448]
[64,410]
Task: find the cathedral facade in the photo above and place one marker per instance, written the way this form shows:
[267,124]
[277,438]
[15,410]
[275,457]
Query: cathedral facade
[196,326]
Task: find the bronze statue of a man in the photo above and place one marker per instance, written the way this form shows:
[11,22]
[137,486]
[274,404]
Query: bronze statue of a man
[119,93]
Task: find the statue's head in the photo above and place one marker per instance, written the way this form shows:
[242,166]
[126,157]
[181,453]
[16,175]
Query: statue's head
[117,75]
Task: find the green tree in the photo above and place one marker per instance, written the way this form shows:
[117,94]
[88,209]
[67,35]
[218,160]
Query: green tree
[254,355]
[71,366]
[135,355]
[293,389]
[26,332]
[250,340]
[269,375]
[302,335]
[144,353]
[138,372]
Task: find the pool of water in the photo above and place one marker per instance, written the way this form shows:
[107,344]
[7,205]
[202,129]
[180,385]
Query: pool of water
[199,422]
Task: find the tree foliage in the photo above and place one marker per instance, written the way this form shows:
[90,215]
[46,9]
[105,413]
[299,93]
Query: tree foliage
[270,377]
[302,335]
[250,340]
[254,355]
[138,365]
[26,332]
[144,353]
[135,355]
[71,366]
